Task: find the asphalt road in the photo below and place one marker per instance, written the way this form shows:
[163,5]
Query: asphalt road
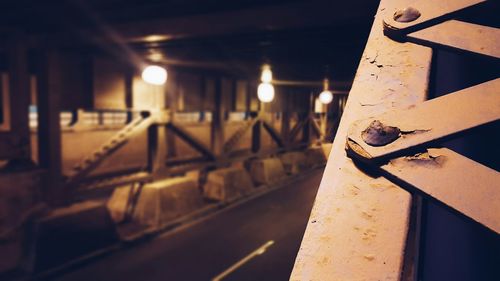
[210,247]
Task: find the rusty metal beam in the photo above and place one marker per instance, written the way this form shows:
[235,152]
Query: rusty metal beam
[296,129]
[359,224]
[461,36]
[191,140]
[273,133]
[452,179]
[397,131]
[408,17]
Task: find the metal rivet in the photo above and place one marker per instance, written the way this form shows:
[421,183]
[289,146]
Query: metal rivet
[378,134]
[406,15]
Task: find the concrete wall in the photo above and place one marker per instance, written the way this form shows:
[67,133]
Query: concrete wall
[108,84]
[19,202]
[79,143]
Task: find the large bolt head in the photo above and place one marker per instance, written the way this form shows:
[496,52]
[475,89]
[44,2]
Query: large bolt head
[406,15]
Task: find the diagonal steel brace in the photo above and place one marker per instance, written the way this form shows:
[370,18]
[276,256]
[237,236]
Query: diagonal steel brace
[453,180]
[441,174]
[431,23]
[422,14]
[397,132]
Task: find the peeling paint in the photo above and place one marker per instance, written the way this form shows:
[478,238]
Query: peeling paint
[366,215]
[368,234]
[378,134]
[354,147]
[369,257]
[424,159]
[414,132]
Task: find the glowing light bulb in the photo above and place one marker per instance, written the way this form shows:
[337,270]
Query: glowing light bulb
[265,92]
[155,75]
[267,75]
[326,97]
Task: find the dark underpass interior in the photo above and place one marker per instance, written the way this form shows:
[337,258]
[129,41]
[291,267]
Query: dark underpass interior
[192,139]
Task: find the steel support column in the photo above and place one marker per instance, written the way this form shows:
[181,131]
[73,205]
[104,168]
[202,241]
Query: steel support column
[359,224]
[19,92]
[217,125]
[49,131]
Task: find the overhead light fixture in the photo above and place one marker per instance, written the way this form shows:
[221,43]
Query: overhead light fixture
[265,92]
[155,75]
[267,75]
[326,96]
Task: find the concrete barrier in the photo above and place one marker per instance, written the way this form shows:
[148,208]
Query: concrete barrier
[267,171]
[294,162]
[159,202]
[315,156]
[327,147]
[69,233]
[227,184]
[19,204]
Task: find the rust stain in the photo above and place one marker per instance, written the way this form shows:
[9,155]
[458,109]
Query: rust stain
[424,159]
[378,134]
[325,238]
[369,257]
[324,261]
[368,234]
[353,147]
[367,215]
[354,190]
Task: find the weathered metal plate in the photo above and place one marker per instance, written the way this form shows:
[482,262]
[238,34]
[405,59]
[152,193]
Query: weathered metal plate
[460,35]
[359,224]
[456,181]
[426,122]
[431,12]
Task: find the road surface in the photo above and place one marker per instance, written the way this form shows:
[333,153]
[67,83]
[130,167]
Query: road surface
[220,245]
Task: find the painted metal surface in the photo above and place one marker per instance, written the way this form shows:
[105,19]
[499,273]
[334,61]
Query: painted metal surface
[430,13]
[359,223]
[456,181]
[428,122]
[463,36]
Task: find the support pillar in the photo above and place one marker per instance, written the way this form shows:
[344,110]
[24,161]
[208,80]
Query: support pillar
[158,140]
[172,101]
[217,125]
[19,96]
[306,135]
[49,131]
[285,123]
[257,129]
